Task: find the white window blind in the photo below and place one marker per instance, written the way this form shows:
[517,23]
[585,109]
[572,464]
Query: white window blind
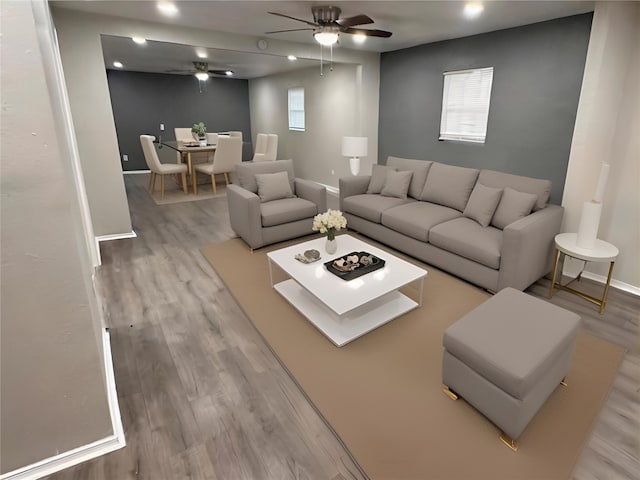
[296,109]
[465,105]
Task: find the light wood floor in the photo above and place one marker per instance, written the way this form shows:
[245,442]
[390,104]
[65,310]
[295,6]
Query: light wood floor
[202,396]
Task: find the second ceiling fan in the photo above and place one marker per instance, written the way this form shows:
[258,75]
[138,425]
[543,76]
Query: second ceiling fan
[327,25]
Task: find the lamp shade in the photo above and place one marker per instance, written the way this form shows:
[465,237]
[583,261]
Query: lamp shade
[354,146]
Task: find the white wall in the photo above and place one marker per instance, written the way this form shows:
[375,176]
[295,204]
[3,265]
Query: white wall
[332,110]
[53,390]
[607,129]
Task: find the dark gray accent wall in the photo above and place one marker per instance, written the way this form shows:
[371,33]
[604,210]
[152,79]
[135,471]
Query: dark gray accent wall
[537,77]
[142,101]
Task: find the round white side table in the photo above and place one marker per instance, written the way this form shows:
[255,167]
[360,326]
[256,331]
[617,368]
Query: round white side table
[602,252]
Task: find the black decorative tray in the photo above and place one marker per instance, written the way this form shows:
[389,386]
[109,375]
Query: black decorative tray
[346,268]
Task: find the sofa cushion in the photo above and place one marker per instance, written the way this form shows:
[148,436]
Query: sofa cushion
[273,186]
[370,207]
[482,204]
[468,239]
[396,184]
[513,206]
[415,219]
[245,172]
[378,177]
[541,188]
[287,210]
[420,168]
[449,185]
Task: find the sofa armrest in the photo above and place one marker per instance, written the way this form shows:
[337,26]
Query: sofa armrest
[527,248]
[244,214]
[356,185]
[312,191]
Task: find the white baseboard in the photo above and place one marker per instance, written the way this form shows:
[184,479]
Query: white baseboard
[92,450]
[106,238]
[614,283]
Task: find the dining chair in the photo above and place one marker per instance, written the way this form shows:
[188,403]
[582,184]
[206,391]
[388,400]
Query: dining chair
[162,169]
[228,154]
[235,133]
[186,135]
[261,147]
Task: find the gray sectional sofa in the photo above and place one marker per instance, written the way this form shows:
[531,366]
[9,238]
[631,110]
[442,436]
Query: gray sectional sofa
[490,228]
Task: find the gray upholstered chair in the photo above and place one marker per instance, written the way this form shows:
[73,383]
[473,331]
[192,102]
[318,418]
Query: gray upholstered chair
[162,169]
[228,154]
[267,204]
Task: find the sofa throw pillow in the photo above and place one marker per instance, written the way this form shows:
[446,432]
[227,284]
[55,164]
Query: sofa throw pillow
[482,204]
[449,185]
[420,168]
[273,186]
[378,178]
[513,206]
[397,184]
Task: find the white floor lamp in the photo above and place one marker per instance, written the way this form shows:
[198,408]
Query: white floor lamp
[354,147]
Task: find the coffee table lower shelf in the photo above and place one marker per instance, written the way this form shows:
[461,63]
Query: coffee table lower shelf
[342,329]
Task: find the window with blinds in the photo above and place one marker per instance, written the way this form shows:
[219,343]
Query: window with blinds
[296,109]
[465,105]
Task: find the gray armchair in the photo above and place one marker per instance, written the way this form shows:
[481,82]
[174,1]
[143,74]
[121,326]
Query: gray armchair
[266,208]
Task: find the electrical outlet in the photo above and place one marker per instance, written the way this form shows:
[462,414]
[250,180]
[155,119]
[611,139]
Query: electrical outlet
[125,158]
[162,127]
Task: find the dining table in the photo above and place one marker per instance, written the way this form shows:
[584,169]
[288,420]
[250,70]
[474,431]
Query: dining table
[186,149]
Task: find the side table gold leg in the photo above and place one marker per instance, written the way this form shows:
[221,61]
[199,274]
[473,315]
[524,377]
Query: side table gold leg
[606,288]
[555,272]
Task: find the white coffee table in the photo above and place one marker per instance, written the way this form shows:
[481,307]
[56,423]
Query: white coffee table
[345,310]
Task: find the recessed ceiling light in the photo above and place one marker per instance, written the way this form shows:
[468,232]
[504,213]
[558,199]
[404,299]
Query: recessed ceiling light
[292,57]
[472,10]
[201,54]
[117,64]
[168,8]
[139,40]
[359,38]
[228,73]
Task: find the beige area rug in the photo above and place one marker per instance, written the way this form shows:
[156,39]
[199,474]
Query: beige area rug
[382,394]
[173,192]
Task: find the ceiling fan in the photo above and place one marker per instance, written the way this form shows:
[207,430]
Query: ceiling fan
[202,71]
[327,25]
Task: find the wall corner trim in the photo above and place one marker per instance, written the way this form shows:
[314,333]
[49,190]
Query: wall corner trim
[87,452]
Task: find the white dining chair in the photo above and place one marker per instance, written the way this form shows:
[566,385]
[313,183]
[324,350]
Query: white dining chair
[228,154]
[261,147]
[158,168]
[266,147]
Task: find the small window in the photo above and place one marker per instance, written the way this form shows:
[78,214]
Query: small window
[465,105]
[296,109]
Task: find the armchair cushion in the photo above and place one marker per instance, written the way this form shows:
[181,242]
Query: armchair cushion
[273,186]
[286,210]
[246,172]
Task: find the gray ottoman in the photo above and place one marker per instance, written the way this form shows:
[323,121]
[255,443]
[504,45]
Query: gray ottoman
[507,356]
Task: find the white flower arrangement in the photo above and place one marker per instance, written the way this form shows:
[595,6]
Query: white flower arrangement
[329,222]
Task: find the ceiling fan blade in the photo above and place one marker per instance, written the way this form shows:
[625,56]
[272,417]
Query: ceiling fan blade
[368,33]
[294,18]
[293,30]
[355,20]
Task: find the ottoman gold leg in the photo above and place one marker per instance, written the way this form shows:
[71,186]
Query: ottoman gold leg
[509,442]
[449,393]
[563,382]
